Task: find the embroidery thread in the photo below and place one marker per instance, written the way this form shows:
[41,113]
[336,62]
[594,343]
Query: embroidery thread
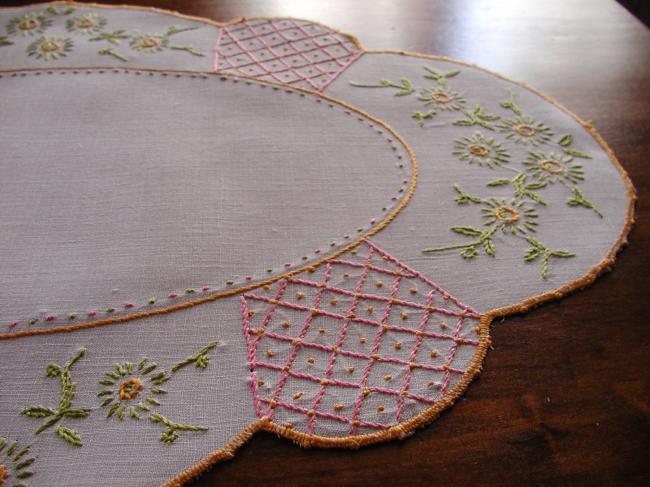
[29,24]
[478,149]
[15,464]
[65,409]
[50,48]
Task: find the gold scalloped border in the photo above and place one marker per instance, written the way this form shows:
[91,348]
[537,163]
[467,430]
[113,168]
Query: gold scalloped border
[401,430]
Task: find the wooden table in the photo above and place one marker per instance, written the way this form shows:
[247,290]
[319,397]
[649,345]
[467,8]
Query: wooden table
[564,398]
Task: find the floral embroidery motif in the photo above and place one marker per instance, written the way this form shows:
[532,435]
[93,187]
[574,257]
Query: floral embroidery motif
[29,24]
[434,98]
[552,167]
[579,199]
[152,43]
[65,409]
[86,24]
[15,464]
[481,150]
[442,98]
[132,388]
[513,215]
[526,130]
[49,48]
[136,389]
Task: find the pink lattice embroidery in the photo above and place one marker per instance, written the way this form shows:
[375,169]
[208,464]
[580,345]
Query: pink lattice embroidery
[356,345]
[295,52]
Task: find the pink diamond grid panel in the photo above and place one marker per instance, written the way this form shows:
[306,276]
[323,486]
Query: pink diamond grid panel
[290,51]
[356,345]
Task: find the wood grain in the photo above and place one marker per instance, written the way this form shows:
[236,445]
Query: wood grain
[564,398]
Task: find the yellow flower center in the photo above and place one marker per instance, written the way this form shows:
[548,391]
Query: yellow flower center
[50,46]
[478,150]
[148,42]
[130,388]
[506,214]
[549,165]
[525,130]
[4,474]
[441,97]
[29,24]
[85,23]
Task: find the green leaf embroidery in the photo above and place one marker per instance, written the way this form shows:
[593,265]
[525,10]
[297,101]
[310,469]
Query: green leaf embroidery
[579,199]
[538,249]
[404,89]
[577,153]
[478,116]
[565,140]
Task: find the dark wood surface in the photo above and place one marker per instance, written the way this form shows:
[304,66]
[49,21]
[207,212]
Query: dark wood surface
[564,398]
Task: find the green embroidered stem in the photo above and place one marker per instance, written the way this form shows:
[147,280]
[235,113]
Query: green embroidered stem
[111,37]
[422,116]
[579,199]
[478,116]
[66,398]
[405,89]
[440,78]
[511,104]
[577,153]
[464,198]
[56,11]
[565,140]
[4,41]
[170,435]
[175,30]
[111,52]
[540,250]
[201,359]
[470,249]
[187,49]
[520,187]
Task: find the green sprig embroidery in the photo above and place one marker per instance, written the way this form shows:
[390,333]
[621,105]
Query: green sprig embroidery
[439,77]
[464,198]
[170,435]
[112,52]
[189,49]
[579,199]
[539,250]
[511,104]
[477,116]
[201,359]
[470,250]
[111,37]
[65,409]
[577,153]
[421,117]
[404,89]
[521,187]
[4,41]
[57,11]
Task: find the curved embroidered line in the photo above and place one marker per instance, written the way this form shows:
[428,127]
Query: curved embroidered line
[235,290]
[428,415]
[402,429]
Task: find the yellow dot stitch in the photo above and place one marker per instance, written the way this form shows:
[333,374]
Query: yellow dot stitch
[388,378]
[397,346]
[251,314]
[434,354]
[413,290]
[333,302]
[285,324]
[299,296]
[350,370]
[370,309]
[321,331]
[380,409]
[297,395]
[270,353]
[338,406]
[404,315]
[260,382]
[311,360]
[362,339]
[378,284]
